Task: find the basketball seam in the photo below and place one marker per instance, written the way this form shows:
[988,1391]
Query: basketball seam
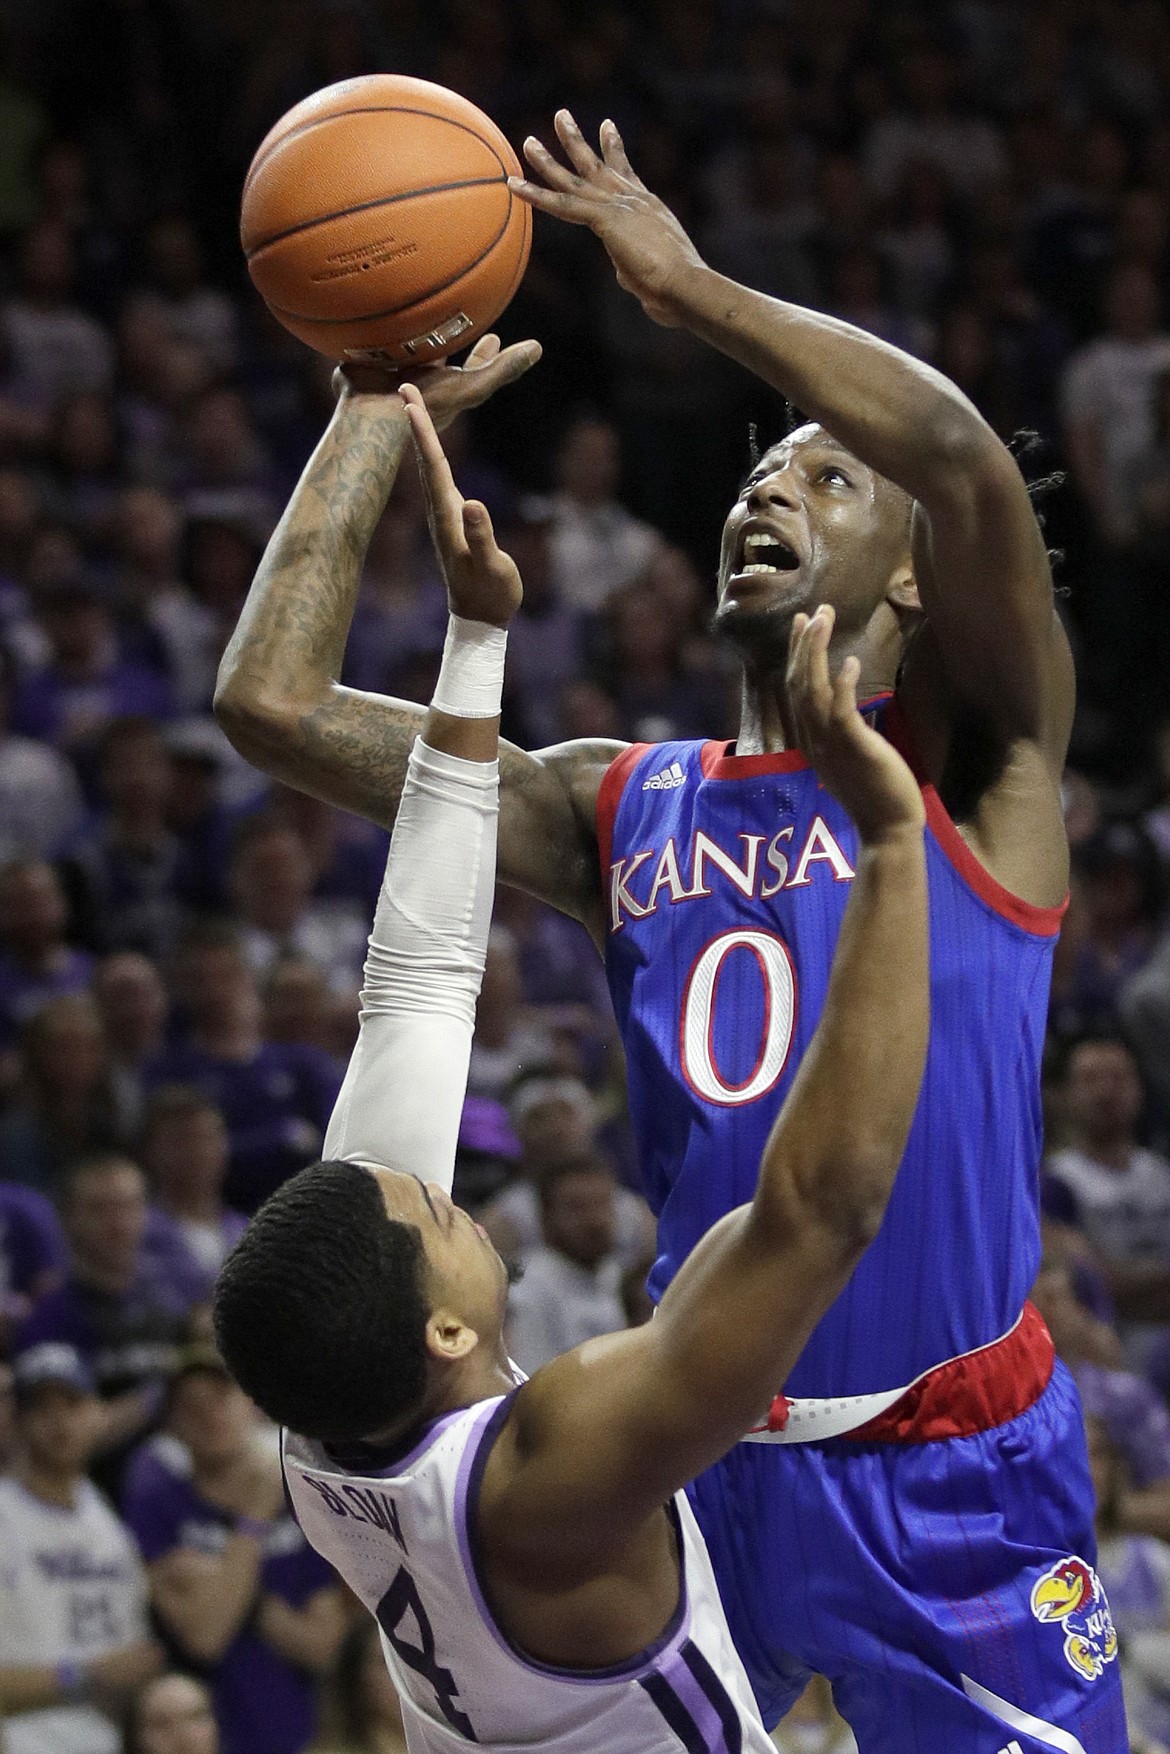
[396,310]
[367,207]
[523,262]
[370,110]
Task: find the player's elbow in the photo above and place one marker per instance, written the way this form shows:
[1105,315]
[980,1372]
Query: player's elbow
[251,716]
[850,1204]
[968,457]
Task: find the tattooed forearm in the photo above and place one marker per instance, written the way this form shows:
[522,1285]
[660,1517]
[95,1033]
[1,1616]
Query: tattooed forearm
[286,653]
[280,701]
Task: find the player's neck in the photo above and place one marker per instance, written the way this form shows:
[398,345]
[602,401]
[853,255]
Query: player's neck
[766,725]
[476,1378]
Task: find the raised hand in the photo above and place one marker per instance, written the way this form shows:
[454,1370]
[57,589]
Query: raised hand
[448,390]
[863,771]
[483,583]
[646,243]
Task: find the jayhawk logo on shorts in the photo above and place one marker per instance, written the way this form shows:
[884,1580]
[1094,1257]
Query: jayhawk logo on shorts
[1070,1593]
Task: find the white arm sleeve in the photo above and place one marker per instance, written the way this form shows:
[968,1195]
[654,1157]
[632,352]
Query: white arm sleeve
[403,1093]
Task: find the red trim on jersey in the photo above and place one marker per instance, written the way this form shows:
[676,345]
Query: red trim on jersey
[1044,922]
[718,765]
[609,796]
[973,1393]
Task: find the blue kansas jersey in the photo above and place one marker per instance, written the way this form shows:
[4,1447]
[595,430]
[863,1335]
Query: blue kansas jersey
[726,879]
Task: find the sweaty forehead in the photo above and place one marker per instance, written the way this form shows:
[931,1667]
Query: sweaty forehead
[808,437]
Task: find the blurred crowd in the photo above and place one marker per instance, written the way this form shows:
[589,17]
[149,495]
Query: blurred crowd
[983,182]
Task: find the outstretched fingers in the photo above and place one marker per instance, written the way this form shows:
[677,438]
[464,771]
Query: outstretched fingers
[556,175]
[444,502]
[570,191]
[580,154]
[809,686]
[614,154]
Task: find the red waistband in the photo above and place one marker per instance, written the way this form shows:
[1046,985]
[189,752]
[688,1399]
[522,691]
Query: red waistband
[973,1393]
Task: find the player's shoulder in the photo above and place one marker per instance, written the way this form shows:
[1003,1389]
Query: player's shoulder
[581,764]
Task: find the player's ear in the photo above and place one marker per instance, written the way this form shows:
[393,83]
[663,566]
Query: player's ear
[449,1338]
[902,591]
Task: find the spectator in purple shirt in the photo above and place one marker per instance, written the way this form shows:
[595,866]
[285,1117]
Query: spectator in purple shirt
[33,1255]
[36,964]
[1132,1411]
[234,1585]
[64,1102]
[123,1319]
[272,889]
[126,870]
[184,1151]
[133,1003]
[347,853]
[87,681]
[546,648]
[276,1098]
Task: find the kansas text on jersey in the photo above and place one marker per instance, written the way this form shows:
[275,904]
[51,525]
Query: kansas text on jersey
[726,880]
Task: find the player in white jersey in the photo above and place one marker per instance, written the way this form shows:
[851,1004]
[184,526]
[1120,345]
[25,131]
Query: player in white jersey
[73,1628]
[525,1546]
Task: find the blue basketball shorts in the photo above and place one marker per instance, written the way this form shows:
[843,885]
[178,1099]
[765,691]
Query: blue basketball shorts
[946,1589]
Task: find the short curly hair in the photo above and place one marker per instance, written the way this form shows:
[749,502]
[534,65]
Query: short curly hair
[320,1310]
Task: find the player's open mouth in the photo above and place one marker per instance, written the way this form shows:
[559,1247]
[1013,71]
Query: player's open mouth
[762,551]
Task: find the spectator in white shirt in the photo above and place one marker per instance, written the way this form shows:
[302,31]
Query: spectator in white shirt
[571,1290]
[1108,401]
[193,311]
[932,128]
[56,348]
[1119,1193]
[597,545]
[556,1118]
[73,1630]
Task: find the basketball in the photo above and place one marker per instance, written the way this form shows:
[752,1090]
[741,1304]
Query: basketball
[376,217]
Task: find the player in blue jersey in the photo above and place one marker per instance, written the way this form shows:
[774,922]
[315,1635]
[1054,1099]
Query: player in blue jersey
[916,1520]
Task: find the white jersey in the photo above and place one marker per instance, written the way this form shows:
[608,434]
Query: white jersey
[72,1588]
[404,1539]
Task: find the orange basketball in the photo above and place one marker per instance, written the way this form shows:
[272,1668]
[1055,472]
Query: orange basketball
[377,216]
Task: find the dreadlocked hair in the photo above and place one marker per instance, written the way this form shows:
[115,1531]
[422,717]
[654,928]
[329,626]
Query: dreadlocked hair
[1024,443]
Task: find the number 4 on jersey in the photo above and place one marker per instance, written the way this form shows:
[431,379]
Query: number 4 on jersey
[400,1600]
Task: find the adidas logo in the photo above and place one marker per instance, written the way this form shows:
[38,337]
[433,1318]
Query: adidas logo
[667,780]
